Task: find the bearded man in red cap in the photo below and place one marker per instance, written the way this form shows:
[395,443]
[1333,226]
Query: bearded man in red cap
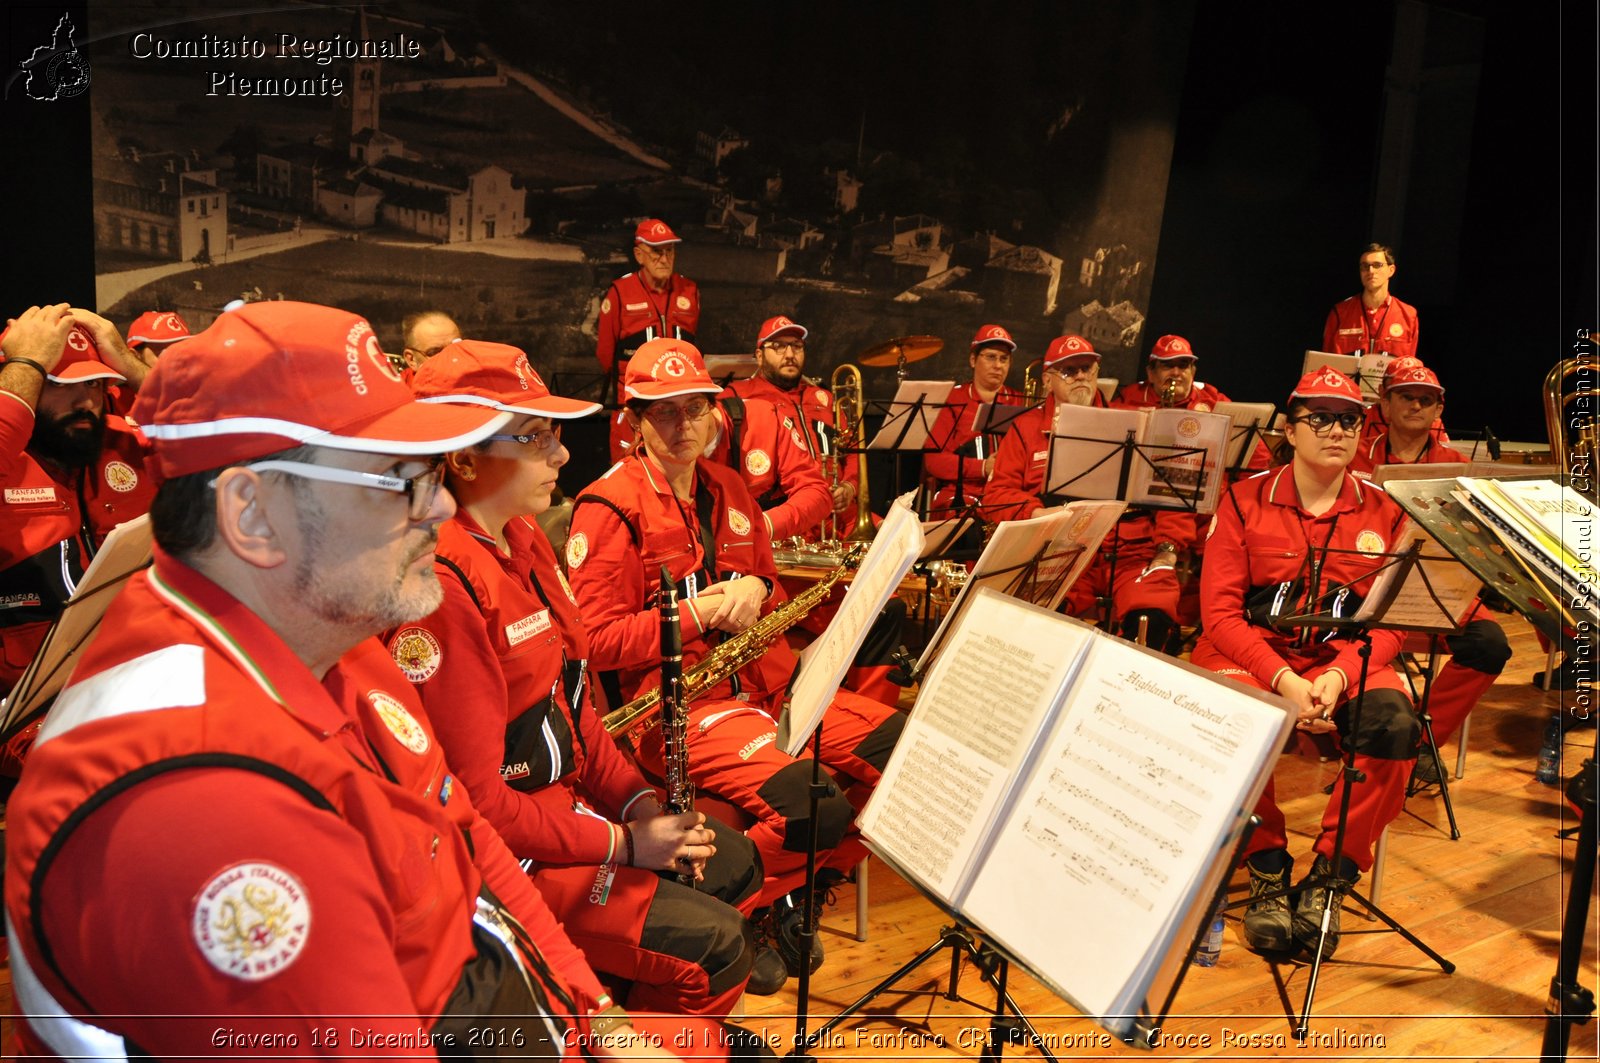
[70,470]
[240,761]
[653,302]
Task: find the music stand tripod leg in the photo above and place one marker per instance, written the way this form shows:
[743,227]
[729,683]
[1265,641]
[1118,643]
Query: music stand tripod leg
[1431,743]
[1569,1003]
[808,925]
[1334,885]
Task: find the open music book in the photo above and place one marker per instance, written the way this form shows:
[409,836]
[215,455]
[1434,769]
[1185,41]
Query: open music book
[1551,525]
[1076,798]
[1157,457]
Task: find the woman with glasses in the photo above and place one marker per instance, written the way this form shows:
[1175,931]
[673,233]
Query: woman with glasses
[666,505]
[501,668]
[1303,538]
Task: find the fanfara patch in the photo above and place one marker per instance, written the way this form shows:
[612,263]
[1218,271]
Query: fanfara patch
[738,521]
[1369,542]
[120,476]
[1188,428]
[519,631]
[605,305]
[757,462]
[417,653]
[683,302]
[562,576]
[1202,407]
[401,723]
[1396,329]
[251,920]
[577,550]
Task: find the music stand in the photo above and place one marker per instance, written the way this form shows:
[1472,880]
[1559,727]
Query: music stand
[1334,884]
[908,419]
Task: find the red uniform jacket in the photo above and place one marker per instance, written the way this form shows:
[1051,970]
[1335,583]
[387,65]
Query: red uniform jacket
[1370,453]
[803,408]
[1262,539]
[625,526]
[952,454]
[1352,328]
[294,849]
[773,461]
[500,669]
[631,314]
[51,524]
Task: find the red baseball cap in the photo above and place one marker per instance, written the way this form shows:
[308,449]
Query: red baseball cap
[1068,348]
[993,336]
[1171,348]
[1418,376]
[496,375]
[274,375]
[665,369]
[1327,383]
[653,232]
[80,360]
[773,326]
[157,326]
[1398,365]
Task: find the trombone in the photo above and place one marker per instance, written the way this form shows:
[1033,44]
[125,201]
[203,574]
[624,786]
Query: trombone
[848,404]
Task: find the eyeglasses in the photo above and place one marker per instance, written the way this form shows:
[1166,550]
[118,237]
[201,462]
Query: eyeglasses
[659,252]
[1081,369]
[1365,266]
[420,490]
[1181,364]
[542,440]
[775,346]
[1427,400]
[994,356]
[1322,423]
[665,414]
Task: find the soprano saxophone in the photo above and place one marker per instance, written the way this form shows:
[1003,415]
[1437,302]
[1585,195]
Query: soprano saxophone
[638,716]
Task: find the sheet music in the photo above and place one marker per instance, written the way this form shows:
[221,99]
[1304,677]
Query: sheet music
[974,723]
[995,418]
[1247,421]
[1086,450]
[1436,593]
[125,551]
[1120,818]
[894,550]
[905,418]
[1169,469]
[1064,540]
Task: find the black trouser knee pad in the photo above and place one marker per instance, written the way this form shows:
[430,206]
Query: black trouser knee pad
[698,929]
[1389,727]
[876,747]
[1481,646]
[735,873]
[788,792]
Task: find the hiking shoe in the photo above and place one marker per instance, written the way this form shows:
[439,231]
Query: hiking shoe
[1308,909]
[1268,926]
[784,922]
[768,974]
[1427,771]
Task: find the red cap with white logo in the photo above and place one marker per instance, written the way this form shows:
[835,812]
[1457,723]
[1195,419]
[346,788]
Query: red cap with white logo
[80,360]
[775,326]
[1068,348]
[653,232]
[1418,376]
[665,369]
[993,336]
[1170,348]
[1327,383]
[157,326]
[496,375]
[274,375]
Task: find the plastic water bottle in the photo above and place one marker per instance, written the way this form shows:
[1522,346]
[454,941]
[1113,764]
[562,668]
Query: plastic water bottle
[1549,769]
[1210,945]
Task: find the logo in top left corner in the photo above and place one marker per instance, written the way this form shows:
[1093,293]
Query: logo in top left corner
[56,71]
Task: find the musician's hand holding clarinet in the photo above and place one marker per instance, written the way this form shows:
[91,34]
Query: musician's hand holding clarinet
[680,844]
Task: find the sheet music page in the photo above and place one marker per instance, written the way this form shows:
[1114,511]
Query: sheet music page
[903,409]
[125,551]
[894,550]
[1438,590]
[1086,450]
[1064,539]
[1138,792]
[977,717]
[994,418]
[1247,420]
[1167,471]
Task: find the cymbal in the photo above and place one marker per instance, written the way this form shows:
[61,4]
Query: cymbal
[914,348]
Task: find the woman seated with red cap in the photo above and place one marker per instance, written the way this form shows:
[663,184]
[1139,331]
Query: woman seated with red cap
[1304,538]
[501,667]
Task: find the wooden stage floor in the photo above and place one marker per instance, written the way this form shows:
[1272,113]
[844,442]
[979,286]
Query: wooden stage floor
[1491,902]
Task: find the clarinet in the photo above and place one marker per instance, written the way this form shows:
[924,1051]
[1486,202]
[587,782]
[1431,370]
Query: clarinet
[674,710]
